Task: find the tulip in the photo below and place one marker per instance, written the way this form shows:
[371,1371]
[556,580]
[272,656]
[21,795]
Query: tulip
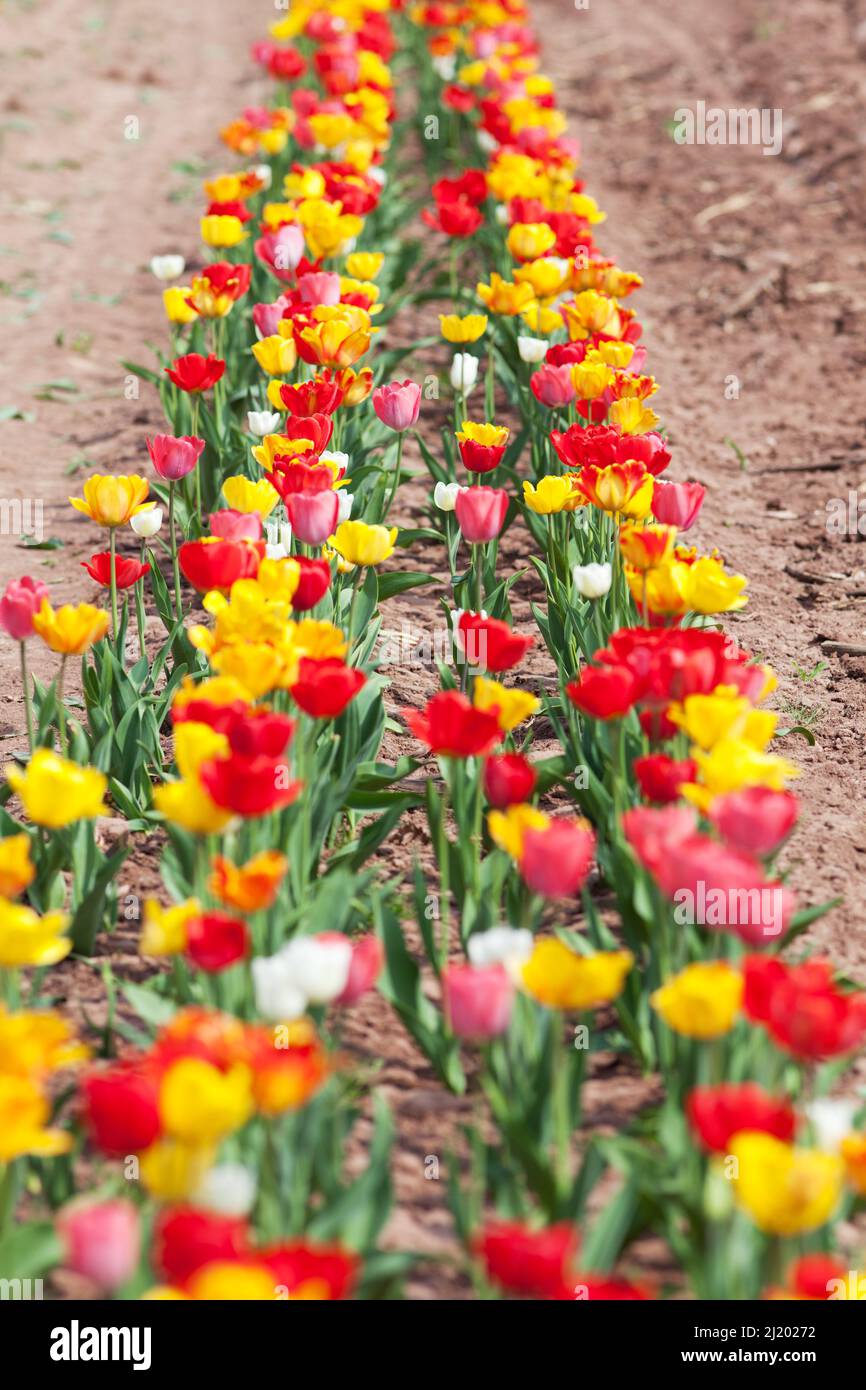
[217,564]
[101,1240]
[452,727]
[313,584]
[593,580]
[111,500]
[360,544]
[20,603]
[556,859]
[490,643]
[677,504]
[756,819]
[16,870]
[230,525]
[319,287]
[276,356]
[398,404]
[167,267]
[186,1239]
[603,692]
[126,571]
[313,515]
[531,350]
[477,1000]
[509,704]
[717,1113]
[368,958]
[445,496]
[481,446]
[481,513]
[702,1001]
[553,386]
[467,329]
[561,979]
[216,941]
[802,1008]
[535,1263]
[194,373]
[227,1189]
[661,777]
[325,686]
[248,786]
[268,317]
[786,1191]
[464,373]
[121,1109]
[217,289]
[509,779]
[28,939]
[146,524]
[262,422]
[71,630]
[510,947]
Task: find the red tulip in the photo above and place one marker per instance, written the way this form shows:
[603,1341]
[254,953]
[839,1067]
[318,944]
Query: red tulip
[185,1238]
[313,515]
[101,1240]
[552,386]
[398,404]
[260,732]
[313,584]
[677,504]
[813,1276]
[802,1007]
[325,686]
[195,373]
[452,727]
[215,941]
[126,571]
[295,1263]
[480,458]
[480,513]
[317,427]
[650,832]
[174,457]
[301,474]
[556,860]
[603,692]
[490,643]
[537,1263]
[477,1000]
[470,185]
[509,779]
[230,525]
[253,786]
[660,777]
[19,605]
[217,564]
[322,395]
[121,1109]
[716,1113]
[457,218]
[756,819]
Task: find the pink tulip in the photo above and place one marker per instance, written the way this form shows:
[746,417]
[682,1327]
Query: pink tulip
[281,251]
[477,1000]
[268,317]
[313,515]
[398,404]
[555,861]
[101,1239]
[18,606]
[174,458]
[320,287]
[552,386]
[481,512]
[677,504]
[651,830]
[368,957]
[756,819]
[230,525]
[723,888]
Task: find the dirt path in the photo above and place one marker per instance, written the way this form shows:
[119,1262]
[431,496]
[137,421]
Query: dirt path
[708,227]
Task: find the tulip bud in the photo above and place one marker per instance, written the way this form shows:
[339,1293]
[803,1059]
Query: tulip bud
[445,496]
[464,372]
[481,513]
[532,350]
[168,267]
[592,581]
[228,1188]
[262,422]
[146,524]
[508,946]
[344,505]
[101,1240]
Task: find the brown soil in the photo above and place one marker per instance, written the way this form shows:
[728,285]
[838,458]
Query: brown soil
[753,269]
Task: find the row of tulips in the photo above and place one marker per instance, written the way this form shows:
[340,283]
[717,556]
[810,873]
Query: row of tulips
[232,709]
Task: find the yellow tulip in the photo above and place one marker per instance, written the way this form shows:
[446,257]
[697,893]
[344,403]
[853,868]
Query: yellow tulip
[165,928]
[591,313]
[702,1001]
[504,296]
[275,355]
[36,1043]
[562,979]
[510,706]
[508,827]
[467,329]
[28,939]
[709,589]
[590,380]
[187,804]
[551,495]
[55,792]
[71,630]
[174,301]
[220,230]
[199,1104]
[491,436]
[526,241]
[244,495]
[111,500]
[235,1281]
[547,277]
[172,1170]
[786,1191]
[364,265]
[632,416]
[24,1114]
[360,544]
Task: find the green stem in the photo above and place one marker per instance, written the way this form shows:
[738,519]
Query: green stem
[395,478]
[139,605]
[112,551]
[28,703]
[175,564]
[61,708]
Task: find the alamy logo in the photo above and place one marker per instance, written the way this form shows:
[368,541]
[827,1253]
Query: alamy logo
[713,125]
[20,1290]
[77,1343]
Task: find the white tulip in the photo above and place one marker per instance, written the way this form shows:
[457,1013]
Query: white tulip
[592,581]
[337,458]
[378,175]
[832,1120]
[262,422]
[146,524]
[168,267]
[502,215]
[344,505]
[445,496]
[445,66]
[487,142]
[278,996]
[228,1188]
[531,350]
[263,172]
[319,969]
[279,540]
[464,372]
[508,946]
